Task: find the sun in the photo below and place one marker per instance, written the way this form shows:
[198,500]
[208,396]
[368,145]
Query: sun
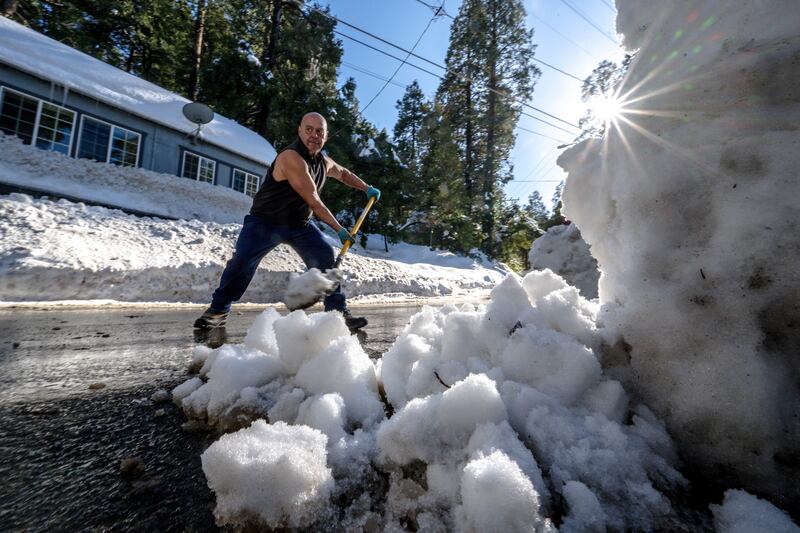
[606,108]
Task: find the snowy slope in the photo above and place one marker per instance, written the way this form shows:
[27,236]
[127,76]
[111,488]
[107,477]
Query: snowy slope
[66,251]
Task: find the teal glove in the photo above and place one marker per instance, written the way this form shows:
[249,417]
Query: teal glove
[345,236]
[372,191]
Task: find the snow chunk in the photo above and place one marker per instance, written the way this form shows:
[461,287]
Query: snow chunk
[742,512]
[275,473]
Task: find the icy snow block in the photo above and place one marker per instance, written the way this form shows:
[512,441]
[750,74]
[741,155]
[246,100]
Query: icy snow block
[498,497]
[430,428]
[273,475]
[234,369]
[261,335]
[307,288]
[345,368]
[302,337]
[741,512]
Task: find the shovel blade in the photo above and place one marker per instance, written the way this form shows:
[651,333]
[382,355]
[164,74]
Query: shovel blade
[304,290]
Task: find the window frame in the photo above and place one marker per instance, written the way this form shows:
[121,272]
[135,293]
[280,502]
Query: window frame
[110,141]
[247,174]
[199,167]
[39,102]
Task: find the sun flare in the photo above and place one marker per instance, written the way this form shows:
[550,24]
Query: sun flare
[607,109]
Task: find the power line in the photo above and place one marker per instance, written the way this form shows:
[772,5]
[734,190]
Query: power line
[566,38]
[584,17]
[558,69]
[401,63]
[387,54]
[609,6]
[539,134]
[373,74]
[436,64]
[438,9]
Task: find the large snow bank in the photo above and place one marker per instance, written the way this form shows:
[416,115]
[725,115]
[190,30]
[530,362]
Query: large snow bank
[125,187]
[502,421]
[690,206]
[562,250]
[67,251]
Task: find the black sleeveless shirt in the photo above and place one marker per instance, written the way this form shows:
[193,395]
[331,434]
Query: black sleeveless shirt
[278,203]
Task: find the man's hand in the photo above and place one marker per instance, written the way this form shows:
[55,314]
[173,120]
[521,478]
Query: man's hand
[373,192]
[345,236]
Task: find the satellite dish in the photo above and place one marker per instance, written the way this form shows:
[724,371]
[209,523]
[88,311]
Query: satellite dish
[199,114]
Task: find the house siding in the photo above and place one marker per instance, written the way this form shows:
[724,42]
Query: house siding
[161,148]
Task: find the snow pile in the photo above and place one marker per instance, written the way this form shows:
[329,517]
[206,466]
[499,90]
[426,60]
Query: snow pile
[741,512]
[562,250]
[304,370]
[66,251]
[502,421]
[125,187]
[690,206]
[274,472]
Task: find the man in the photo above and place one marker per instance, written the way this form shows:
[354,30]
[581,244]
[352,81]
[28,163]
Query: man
[281,212]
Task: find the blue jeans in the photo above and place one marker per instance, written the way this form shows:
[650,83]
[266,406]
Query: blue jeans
[257,238]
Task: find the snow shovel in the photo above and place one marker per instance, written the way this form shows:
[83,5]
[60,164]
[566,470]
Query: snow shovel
[306,289]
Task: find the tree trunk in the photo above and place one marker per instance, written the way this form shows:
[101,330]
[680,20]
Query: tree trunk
[489,177]
[468,146]
[197,52]
[269,60]
[8,7]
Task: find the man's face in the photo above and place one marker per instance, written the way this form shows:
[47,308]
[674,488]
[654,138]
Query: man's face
[313,131]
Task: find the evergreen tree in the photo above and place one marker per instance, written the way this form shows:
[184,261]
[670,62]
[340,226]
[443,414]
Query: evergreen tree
[536,208]
[412,111]
[490,71]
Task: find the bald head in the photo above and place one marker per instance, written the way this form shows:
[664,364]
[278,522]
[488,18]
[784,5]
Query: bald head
[313,132]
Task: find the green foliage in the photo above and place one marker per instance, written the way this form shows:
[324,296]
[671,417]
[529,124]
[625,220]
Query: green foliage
[265,63]
[490,71]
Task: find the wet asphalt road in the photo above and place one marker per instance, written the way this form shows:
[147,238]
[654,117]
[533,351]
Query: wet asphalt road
[62,442]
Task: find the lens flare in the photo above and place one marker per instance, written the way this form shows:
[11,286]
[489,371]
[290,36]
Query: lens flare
[606,108]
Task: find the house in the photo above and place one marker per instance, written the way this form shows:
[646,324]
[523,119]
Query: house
[57,98]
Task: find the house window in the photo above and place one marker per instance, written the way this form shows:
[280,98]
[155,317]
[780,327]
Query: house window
[245,182]
[107,143]
[198,167]
[30,118]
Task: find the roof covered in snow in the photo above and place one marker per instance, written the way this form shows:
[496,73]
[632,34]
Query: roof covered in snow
[46,58]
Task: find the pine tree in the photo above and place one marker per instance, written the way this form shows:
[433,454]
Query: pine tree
[412,110]
[490,71]
[536,208]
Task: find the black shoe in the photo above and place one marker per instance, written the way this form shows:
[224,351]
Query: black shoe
[211,319]
[354,323]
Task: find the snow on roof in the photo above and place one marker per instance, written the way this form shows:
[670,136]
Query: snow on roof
[47,58]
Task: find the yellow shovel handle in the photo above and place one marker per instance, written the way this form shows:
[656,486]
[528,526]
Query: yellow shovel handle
[355,229]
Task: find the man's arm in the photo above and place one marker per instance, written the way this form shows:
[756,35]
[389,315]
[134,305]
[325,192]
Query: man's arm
[337,171]
[291,166]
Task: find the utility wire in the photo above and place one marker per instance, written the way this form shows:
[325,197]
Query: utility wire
[584,17]
[566,38]
[370,73]
[411,53]
[539,134]
[438,9]
[403,62]
[505,95]
[337,32]
[609,6]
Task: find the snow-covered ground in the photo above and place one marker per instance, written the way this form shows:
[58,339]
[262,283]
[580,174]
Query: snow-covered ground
[59,250]
[542,410]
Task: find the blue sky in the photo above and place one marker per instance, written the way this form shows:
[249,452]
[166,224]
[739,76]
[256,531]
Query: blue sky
[564,40]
